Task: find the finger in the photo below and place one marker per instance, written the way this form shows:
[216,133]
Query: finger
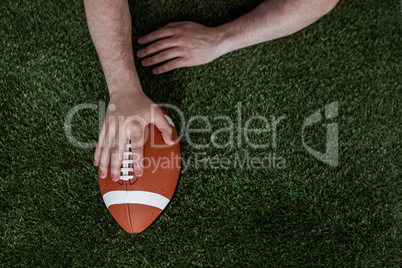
[99,145]
[163,56]
[105,153]
[158,46]
[117,155]
[137,148]
[170,65]
[156,35]
[164,127]
[173,24]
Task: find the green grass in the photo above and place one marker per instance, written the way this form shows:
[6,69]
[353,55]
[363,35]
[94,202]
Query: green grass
[307,214]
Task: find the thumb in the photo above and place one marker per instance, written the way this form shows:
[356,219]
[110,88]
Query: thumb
[165,128]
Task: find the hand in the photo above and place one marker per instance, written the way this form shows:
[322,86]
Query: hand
[126,118]
[181,44]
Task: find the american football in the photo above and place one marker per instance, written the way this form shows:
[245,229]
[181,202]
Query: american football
[135,202]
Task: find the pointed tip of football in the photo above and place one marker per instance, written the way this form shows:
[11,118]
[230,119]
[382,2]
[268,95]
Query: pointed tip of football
[134,218]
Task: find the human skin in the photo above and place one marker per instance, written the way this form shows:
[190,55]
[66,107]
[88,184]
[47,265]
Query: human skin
[184,44]
[129,110]
[178,44]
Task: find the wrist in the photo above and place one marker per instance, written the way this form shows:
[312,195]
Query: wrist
[125,90]
[124,84]
[125,94]
[227,40]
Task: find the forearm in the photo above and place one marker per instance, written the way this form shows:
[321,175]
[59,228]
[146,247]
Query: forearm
[271,20]
[109,23]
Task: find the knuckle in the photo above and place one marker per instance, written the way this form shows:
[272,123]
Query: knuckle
[164,56]
[173,65]
[98,143]
[149,36]
[166,128]
[158,45]
[111,128]
[105,151]
[115,152]
[183,63]
[134,127]
[176,31]
[145,51]
[103,167]
[115,168]
[162,69]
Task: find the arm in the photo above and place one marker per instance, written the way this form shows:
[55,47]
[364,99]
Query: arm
[185,44]
[109,23]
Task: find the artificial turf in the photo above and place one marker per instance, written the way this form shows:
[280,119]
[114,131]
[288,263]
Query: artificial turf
[304,214]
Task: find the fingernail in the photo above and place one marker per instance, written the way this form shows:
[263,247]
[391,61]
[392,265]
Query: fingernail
[140,40]
[114,176]
[102,174]
[138,172]
[155,71]
[139,53]
[95,163]
[144,62]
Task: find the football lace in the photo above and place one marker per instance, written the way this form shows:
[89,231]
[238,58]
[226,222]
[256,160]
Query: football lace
[127,161]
